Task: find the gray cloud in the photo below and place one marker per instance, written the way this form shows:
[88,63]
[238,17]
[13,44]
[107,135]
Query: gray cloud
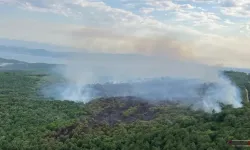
[228,3]
[236,8]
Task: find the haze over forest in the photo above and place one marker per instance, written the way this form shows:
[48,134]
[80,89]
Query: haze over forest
[97,74]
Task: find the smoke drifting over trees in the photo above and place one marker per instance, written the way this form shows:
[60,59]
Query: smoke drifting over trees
[151,78]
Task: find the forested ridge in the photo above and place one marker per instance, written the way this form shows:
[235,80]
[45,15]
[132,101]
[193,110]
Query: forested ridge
[31,122]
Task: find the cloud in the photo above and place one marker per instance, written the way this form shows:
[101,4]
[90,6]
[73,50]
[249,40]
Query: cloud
[54,8]
[199,1]
[147,10]
[193,33]
[236,8]
[228,3]
[227,21]
[167,5]
[44,6]
[205,1]
[199,18]
[3,1]
[200,47]
[186,13]
[207,17]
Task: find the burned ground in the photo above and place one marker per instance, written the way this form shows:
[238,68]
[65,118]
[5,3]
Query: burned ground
[112,111]
[124,109]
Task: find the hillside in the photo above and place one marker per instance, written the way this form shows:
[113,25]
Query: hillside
[62,54]
[11,64]
[32,52]
[2,60]
[29,121]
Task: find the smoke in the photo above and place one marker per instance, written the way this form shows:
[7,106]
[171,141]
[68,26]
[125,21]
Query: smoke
[166,71]
[151,78]
[115,40]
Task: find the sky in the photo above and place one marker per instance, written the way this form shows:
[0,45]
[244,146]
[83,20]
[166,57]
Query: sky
[214,32]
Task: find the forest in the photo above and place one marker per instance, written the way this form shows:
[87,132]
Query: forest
[31,122]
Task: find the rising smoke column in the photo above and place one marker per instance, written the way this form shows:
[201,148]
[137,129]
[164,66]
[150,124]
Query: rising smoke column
[224,92]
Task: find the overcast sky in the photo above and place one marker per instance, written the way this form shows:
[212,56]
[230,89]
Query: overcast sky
[211,31]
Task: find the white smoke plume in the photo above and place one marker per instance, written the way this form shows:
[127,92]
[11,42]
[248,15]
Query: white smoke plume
[151,78]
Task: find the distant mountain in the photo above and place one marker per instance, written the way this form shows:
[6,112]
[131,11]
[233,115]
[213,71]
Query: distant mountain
[49,50]
[10,64]
[44,55]
[34,52]
[3,60]
[33,45]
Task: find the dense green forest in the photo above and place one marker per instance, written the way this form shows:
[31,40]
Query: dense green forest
[31,122]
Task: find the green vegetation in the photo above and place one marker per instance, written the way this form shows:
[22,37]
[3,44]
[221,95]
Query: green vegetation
[31,122]
[130,111]
[26,118]
[242,80]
